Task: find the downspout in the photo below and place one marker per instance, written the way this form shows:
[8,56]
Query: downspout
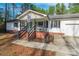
[49,27]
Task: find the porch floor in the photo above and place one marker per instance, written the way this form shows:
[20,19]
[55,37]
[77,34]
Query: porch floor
[60,50]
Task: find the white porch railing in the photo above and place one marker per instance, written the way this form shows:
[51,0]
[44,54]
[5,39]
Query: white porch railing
[41,29]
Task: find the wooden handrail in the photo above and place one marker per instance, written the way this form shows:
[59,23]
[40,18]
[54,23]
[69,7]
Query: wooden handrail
[25,27]
[31,31]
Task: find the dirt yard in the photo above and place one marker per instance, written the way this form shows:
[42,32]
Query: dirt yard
[9,49]
[6,37]
[65,45]
[17,50]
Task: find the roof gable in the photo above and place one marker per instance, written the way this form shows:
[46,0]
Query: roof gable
[31,13]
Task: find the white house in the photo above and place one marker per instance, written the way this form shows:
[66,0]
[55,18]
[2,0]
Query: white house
[32,22]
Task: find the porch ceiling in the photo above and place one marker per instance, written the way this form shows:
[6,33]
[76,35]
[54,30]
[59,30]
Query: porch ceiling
[36,19]
[41,19]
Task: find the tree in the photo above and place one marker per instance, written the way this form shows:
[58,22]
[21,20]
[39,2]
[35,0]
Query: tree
[26,6]
[5,15]
[9,12]
[74,8]
[58,8]
[63,8]
[13,6]
[51,10]
[1,15]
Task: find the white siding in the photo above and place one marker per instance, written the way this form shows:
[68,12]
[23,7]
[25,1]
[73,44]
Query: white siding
[69,29]
[55,30]
[32,15]
[58,30]
[10,26]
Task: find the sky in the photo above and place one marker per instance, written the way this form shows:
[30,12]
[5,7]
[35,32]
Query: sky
[46,5]
[41,5]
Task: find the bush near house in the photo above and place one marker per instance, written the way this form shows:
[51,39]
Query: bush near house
[2,27]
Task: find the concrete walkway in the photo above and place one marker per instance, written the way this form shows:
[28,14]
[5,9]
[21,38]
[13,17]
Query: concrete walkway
[59,50]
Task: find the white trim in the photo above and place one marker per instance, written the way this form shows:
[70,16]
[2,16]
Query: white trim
[27,11]
[49,24]
[55,22]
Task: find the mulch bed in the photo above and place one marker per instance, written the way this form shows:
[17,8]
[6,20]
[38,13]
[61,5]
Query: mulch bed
[18,50]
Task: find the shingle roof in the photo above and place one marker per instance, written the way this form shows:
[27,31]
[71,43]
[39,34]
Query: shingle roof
[14,20]
[64,16]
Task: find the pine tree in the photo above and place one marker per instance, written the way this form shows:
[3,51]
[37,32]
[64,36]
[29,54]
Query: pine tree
[51,10]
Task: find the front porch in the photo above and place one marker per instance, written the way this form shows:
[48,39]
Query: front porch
[37,28]
[34,25]
[40,25]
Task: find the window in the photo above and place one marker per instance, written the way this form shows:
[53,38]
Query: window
[40,24]
[55,24]
[15,24]
[30,24]
[46,24]
[22,23]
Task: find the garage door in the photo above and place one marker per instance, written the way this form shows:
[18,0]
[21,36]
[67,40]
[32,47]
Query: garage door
[72,29]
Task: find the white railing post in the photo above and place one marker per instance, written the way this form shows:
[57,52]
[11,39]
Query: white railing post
[49,25]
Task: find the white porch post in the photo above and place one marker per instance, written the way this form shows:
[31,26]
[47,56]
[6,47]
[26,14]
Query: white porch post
[43,24]
[49,25]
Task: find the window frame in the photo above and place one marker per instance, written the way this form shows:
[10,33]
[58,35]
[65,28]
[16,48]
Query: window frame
[55,24]
[41,24]
[16,24]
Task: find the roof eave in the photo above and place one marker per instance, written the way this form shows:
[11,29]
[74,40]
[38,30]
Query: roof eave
[26,12]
